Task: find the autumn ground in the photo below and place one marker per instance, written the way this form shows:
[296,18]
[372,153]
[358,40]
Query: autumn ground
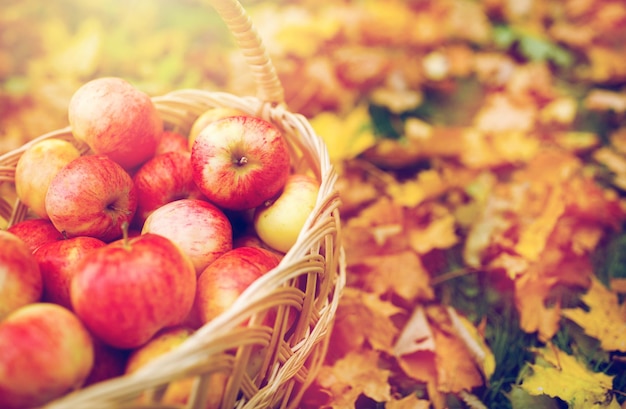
[482,152]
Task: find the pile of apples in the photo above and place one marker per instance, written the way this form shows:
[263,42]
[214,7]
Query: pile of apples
[138,242]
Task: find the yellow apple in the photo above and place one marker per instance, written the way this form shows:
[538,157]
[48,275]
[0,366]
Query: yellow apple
[279,223]
[177,392]
[36,168]
[209,116]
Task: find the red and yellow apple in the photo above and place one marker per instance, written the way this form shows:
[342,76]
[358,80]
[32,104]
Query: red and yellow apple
[91,196]
[239,162]
[128,290]
[163,179]
[207,117]
[57,262]
[36,232]
[223,281]
[116,119]
[278,223]
[46,353]
[20,278]
[199,228]
[177,392]
[37,166]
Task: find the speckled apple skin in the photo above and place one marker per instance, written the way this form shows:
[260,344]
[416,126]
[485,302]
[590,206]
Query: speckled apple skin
[116,119]
[20,278]
[239,162]
[127,291]
[46,353]
[221,283]
[91,196]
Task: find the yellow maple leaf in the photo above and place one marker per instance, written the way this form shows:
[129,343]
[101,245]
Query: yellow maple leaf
[605,320]
[534,236]
[410,193]
[438,233]
[345,137]
[558,374]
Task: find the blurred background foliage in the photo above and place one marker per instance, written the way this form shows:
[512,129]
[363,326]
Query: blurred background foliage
[433,111]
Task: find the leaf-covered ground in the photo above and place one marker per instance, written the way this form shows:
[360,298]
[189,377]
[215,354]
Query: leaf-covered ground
[482,153]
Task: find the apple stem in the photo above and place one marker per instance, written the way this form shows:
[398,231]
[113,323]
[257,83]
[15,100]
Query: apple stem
[125,234]
[242,161]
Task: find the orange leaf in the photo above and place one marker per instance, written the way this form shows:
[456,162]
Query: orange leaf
[534,236]
[355,374]
[350,333]
[456,371]
[431,226]
[401,273]
[420,365]
[530,295]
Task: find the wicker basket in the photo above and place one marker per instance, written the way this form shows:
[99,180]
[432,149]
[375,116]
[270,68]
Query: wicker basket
[309,279]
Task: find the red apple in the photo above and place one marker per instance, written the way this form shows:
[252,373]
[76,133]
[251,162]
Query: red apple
[37,166]
[57,263]
[172,142]
[91,196]
[200,229]
[36,232]
[20,279]
[163,179]
[46,353]
[116,119]
[128,290]
[223,281]
[239,162]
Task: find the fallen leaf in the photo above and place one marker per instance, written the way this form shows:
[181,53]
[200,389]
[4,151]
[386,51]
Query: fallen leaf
[530,299]
[416,335]
[355,374]
[345,137]
[561,375]
[534,235]
[431,226]
[475,343]
[501,114]
[605,318]
[399,273]
[456,371]
[363,319]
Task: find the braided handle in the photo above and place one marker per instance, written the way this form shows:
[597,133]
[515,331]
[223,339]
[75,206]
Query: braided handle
[268,85]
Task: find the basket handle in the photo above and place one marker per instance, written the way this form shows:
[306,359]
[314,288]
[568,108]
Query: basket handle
[233,14]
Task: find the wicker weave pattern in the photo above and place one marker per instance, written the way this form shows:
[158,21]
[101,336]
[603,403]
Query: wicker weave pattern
[301,294]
